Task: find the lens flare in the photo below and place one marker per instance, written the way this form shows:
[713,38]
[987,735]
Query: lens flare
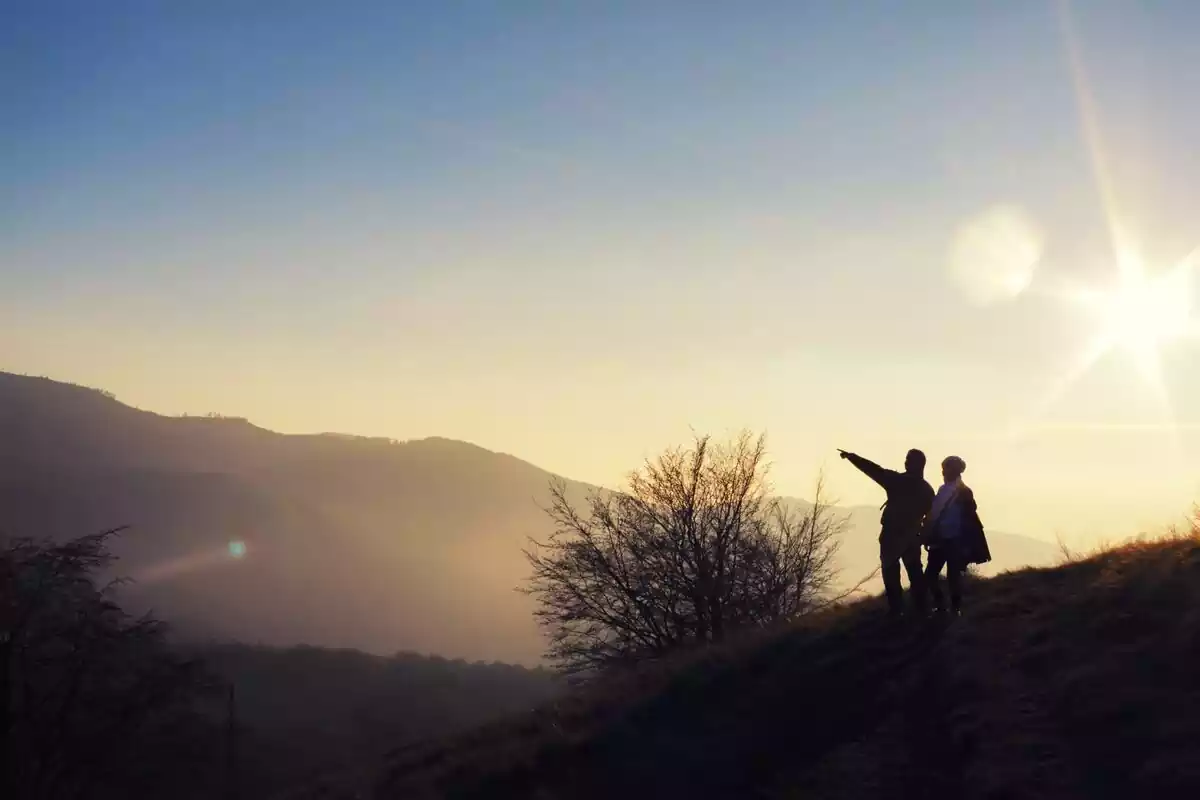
[994,255]
[237,548]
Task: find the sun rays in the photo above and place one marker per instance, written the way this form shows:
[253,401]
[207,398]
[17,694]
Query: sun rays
[1142,312]
[1140,316]
[195,561]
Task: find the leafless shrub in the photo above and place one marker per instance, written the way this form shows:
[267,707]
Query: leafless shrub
[1065,554]
[693,548]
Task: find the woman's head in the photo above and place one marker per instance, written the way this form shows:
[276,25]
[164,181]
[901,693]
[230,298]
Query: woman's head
[952,468]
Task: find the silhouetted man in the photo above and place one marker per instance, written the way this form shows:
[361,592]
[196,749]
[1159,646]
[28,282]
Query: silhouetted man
[909,498]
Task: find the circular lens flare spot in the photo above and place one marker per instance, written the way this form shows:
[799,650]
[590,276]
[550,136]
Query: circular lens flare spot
[994,255]
[237,549]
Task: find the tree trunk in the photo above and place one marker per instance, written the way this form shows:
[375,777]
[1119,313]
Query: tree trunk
[716,618]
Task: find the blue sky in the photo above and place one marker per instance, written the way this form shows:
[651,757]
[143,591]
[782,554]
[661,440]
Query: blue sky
[527,224]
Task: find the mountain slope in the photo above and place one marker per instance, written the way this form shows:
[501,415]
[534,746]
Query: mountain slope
[1077,681]
[351,542]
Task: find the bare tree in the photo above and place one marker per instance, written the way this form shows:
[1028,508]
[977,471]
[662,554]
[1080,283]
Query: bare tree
[694,547]
[92,701]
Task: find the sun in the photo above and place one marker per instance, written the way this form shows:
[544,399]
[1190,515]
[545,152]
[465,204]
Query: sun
[1143,314]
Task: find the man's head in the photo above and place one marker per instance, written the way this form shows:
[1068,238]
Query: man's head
[914,462]
[952,468]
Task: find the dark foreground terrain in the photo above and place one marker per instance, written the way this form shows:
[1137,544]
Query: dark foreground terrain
[1076,681]
[302,709]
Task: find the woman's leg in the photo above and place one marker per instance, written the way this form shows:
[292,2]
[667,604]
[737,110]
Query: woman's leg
[937,560]
[955,567]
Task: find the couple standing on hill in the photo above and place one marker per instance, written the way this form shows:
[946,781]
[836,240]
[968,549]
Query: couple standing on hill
[946,523]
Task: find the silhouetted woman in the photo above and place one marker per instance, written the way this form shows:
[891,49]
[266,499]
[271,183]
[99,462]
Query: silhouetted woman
[953,535]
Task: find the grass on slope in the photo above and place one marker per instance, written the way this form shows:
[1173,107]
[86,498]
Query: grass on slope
[1074,681]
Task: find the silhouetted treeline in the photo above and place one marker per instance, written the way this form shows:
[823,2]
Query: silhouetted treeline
[93,702]
[304,711]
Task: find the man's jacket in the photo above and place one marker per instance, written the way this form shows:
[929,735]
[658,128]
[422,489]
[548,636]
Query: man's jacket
[909,498]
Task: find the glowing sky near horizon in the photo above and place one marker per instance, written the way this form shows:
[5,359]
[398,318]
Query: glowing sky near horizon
[573,234]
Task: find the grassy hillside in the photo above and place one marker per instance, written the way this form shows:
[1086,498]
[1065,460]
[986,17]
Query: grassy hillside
[1073,681]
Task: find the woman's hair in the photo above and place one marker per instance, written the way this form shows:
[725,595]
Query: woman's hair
[955,463]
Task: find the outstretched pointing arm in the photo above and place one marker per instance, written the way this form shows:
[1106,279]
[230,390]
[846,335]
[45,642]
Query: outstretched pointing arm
[884,477]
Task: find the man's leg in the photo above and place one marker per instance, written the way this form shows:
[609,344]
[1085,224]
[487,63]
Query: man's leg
[937,560]
[916,579]
[890,567]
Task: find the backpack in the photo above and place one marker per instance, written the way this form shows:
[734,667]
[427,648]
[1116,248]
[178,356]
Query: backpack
[975,542]
[972,540]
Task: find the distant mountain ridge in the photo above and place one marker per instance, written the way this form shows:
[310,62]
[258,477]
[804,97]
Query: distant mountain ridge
[350,541]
